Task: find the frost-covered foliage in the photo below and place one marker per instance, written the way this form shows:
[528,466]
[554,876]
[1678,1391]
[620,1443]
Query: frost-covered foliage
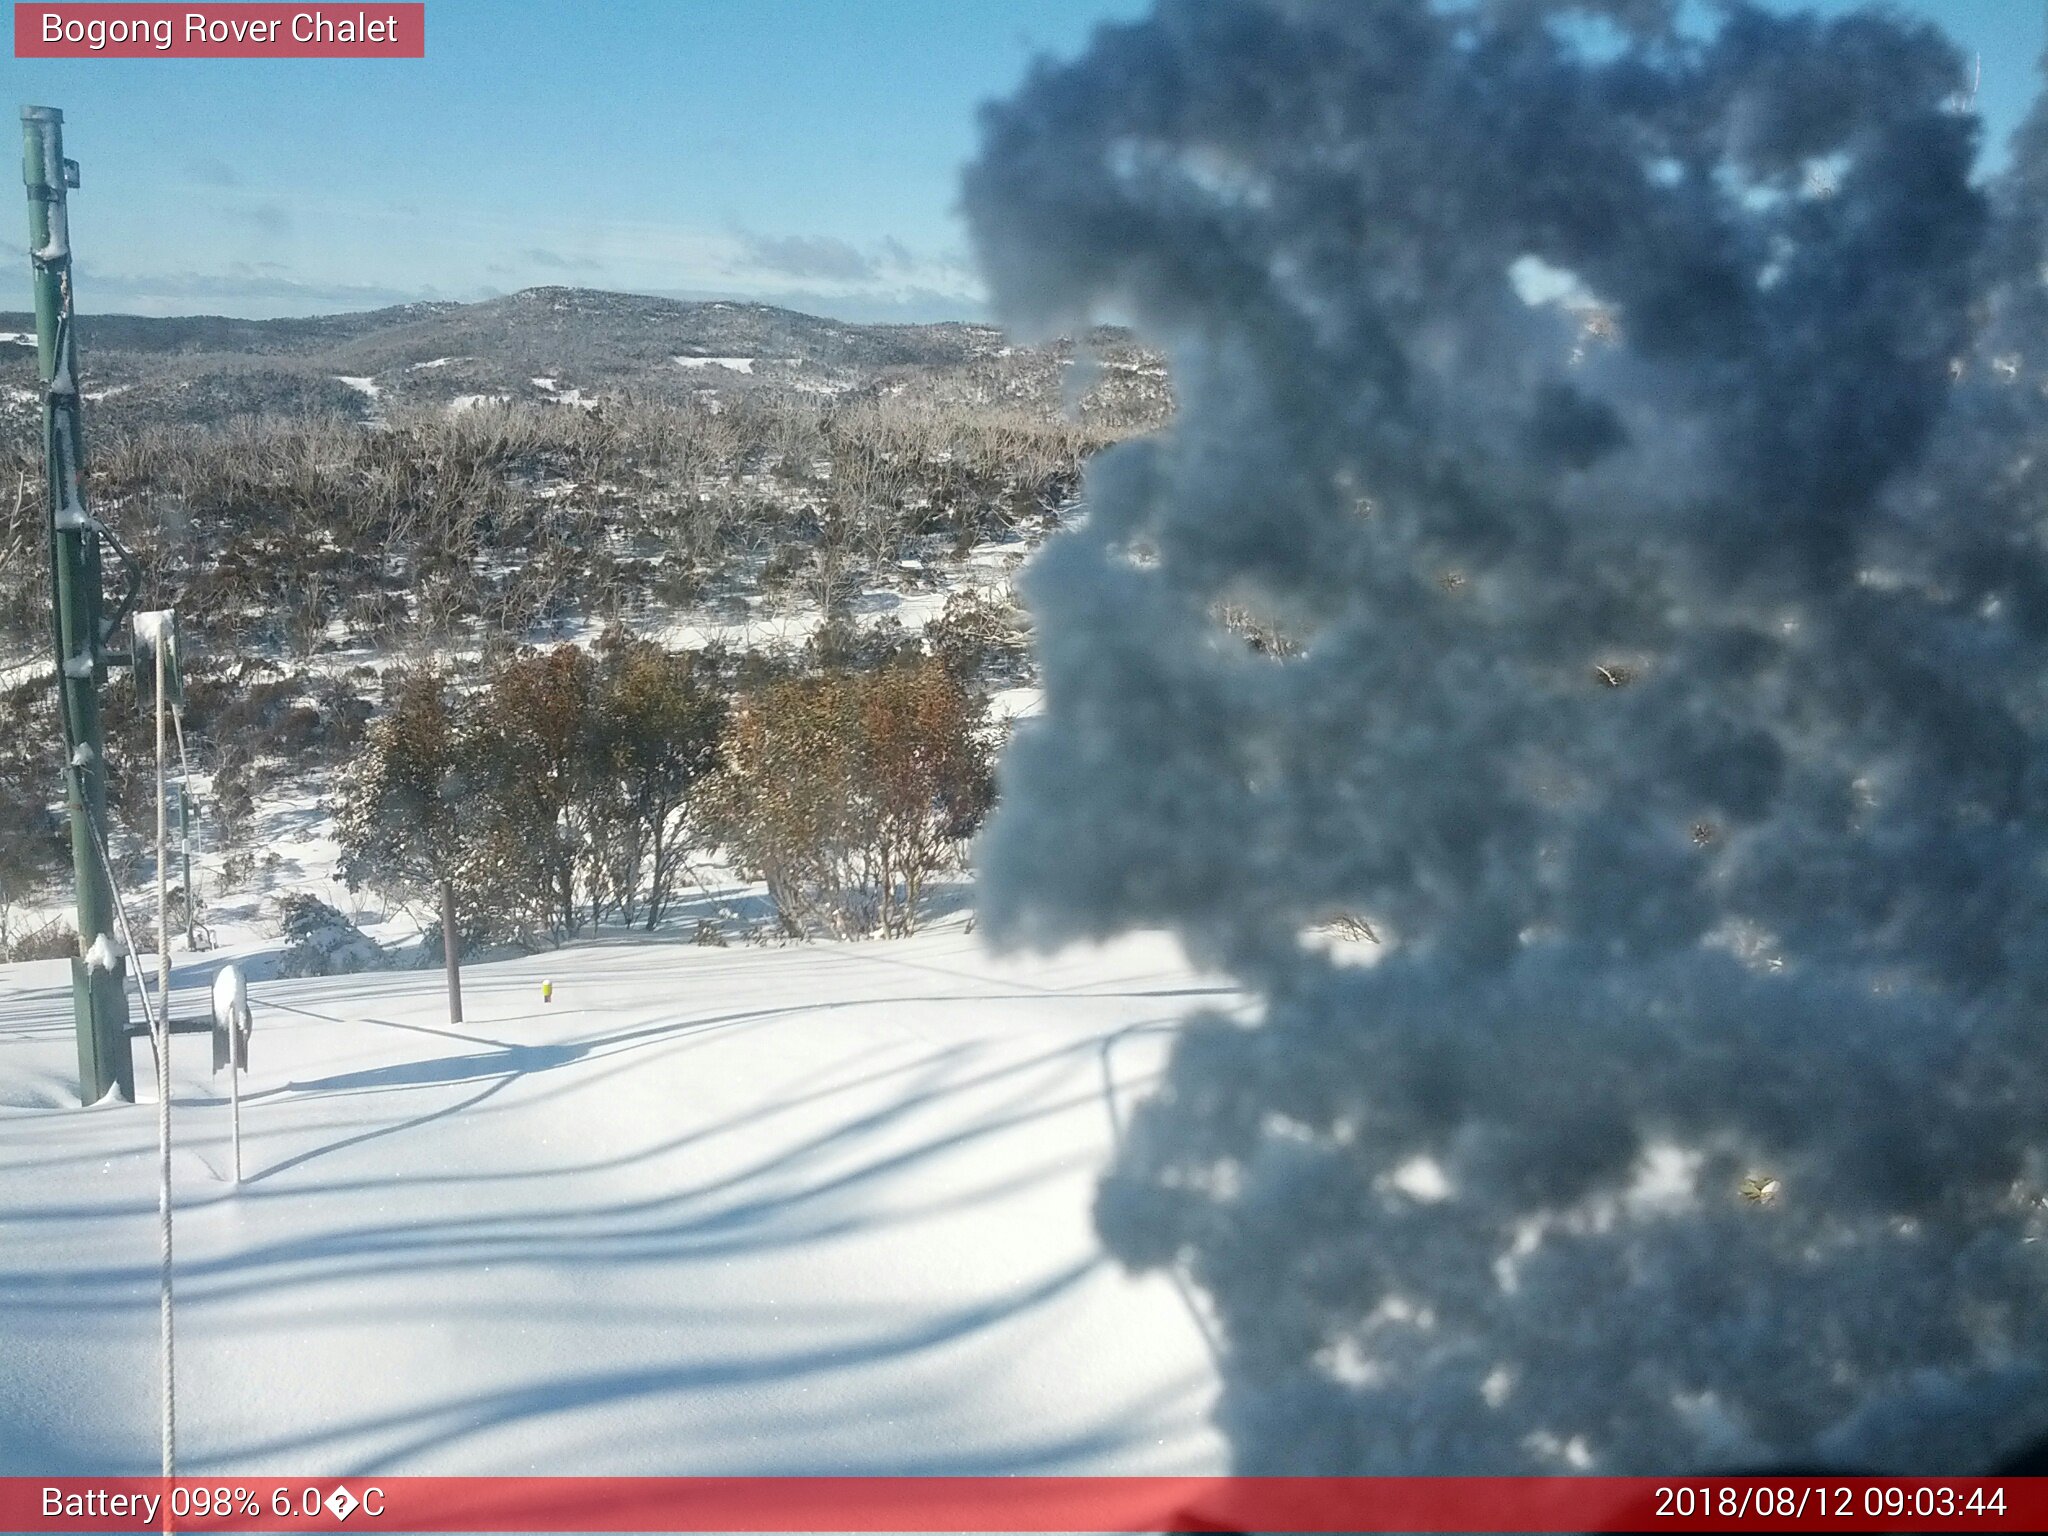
[1637,433]
[320,941]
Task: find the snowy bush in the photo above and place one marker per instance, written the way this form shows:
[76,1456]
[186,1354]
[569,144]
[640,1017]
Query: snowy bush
[320,941]
[1641,446]
[981,638]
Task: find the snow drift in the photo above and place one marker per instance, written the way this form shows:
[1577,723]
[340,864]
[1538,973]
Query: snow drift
[1637,430]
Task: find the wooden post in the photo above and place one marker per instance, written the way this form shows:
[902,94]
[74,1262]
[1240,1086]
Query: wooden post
[451,951]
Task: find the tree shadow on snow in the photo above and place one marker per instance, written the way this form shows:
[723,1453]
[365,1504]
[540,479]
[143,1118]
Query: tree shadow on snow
[841,1149]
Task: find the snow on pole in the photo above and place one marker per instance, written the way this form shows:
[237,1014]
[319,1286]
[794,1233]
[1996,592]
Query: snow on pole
[156,634]
[232,1027]
[233,1023]
[104,953]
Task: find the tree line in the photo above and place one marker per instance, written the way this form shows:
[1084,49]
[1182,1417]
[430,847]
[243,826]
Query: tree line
[570,788]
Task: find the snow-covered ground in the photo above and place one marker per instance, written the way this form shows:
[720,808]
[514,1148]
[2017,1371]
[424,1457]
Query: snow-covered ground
[804,1209]
[549,385]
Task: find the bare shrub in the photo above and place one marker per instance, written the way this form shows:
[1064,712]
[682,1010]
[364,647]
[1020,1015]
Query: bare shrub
[55,940]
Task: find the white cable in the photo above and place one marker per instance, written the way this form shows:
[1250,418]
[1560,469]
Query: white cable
[160,1046]
[163,1197]
[163,1076]
[163,850]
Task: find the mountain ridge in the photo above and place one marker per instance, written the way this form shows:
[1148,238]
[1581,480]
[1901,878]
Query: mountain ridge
[547,343]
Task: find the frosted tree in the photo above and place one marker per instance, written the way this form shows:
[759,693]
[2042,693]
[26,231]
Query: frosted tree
[1637,432]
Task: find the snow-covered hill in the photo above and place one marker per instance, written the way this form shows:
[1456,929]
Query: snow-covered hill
[549,343]
[811,1209]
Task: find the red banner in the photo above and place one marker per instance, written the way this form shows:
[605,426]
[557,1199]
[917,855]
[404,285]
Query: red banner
[1091,1504]
[211,31]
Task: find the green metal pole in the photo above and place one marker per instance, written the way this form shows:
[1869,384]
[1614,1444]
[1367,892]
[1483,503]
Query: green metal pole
[99,998]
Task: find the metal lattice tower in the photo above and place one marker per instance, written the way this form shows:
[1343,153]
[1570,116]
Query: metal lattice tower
[82,627]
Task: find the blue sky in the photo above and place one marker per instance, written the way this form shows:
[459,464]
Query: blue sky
[801,152]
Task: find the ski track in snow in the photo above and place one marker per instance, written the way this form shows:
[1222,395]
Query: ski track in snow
[813,1209]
